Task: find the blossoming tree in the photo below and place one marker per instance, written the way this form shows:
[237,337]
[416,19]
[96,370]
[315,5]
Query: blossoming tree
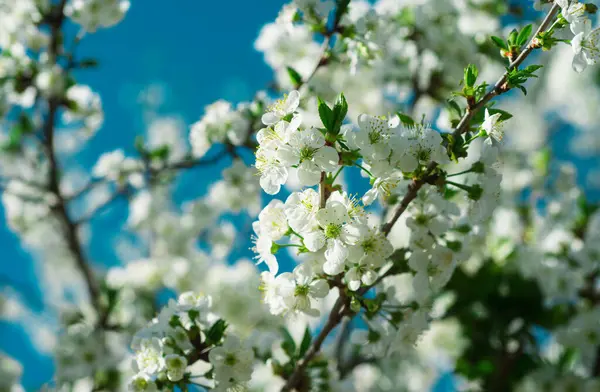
[424,242]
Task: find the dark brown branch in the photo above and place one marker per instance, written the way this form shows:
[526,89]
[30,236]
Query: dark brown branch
[411,194]
[60,209]
[339,310]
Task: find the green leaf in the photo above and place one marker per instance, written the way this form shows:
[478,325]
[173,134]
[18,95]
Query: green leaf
[499,42]
[161,153]
[140,145]
[405,119]
[340,10]
[340,109]
[504,115]
[470,75]
[288,345]
[295,77]
[523,89]
[215,333]
[453,106]
[512,37]
[532,68]
[25,123]
[326,114]
[306,341]
[524,35]
[88,63]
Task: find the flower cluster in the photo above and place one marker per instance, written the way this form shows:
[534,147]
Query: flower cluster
[93,14]
[174,339]
[585,41]
[221,123]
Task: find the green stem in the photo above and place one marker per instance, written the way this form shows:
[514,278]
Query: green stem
[292,231]
[337,174]
[365,170]
[289,245]
[459,173]
[460,186]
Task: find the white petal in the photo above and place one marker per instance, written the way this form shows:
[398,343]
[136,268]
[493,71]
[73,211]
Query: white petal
[319,288]
[292,102]
[270,118]
[327,158]
[314,240]
[579,62]
[308,174]
[369,277]
[335,214]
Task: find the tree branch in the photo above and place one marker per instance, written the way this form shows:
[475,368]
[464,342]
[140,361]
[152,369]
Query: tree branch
[339,310]
[500,88]
[60,209]
[463,125]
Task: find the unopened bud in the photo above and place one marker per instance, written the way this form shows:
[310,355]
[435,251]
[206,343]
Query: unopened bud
[536,43]
[591,8]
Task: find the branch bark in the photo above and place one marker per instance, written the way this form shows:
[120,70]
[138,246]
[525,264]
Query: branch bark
[463,125]
[499,88]
[60,209]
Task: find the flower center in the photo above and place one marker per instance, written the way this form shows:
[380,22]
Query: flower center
[421,219]
[307,153]
[333,231]
[375,137]
[423,154]
[230,360]
[301,291]
[369,245]
[307,204]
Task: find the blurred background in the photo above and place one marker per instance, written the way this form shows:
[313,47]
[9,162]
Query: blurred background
[166,61]
[159,67]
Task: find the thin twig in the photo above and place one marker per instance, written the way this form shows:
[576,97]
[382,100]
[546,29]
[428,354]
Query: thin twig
[337,313]
[99,208]
[463,125]
[500,88]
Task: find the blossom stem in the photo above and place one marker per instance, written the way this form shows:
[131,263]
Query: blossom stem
[460,186]
[460,173]
[289,245]
[337,174]
[363,169]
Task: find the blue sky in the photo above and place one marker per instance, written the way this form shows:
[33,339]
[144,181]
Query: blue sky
[198,51]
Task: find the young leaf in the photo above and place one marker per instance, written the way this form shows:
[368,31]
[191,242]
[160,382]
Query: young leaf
[215,333]
[295,77]
[406,119]
[504,115]
[470,75]
[499,42]
[524,35]
[288,345]
[340,109]
[306,340]
[326,114]
[512,37]
[453,106]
